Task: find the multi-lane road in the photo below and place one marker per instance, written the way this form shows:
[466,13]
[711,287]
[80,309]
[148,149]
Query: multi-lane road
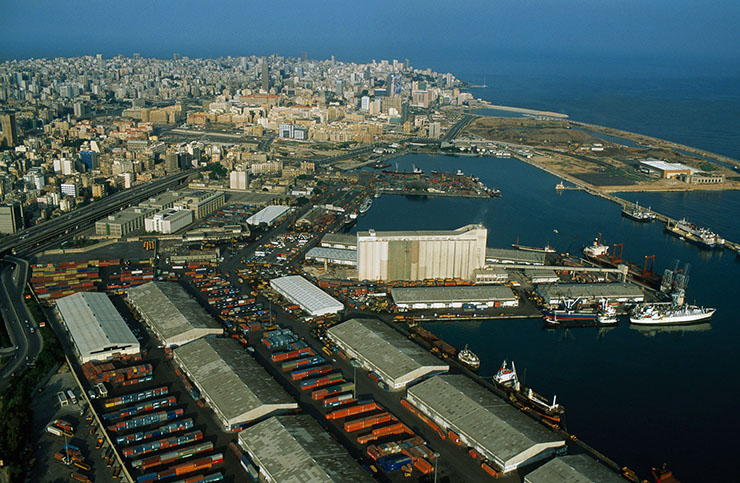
[22,329]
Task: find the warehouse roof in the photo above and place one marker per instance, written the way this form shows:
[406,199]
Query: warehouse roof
[389,353]
[573,469]
[268,214]
[95,324]
[310,297]
[333,254]
[504,255]
[465,293]
[666,166]
[174,315]
[296,449]
[575,290]
[340,239]
[237,386]
[485,420]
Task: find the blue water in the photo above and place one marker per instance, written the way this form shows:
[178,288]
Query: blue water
[640,397]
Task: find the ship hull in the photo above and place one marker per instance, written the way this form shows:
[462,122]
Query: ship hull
[634,217]
[690,237]
[686,319]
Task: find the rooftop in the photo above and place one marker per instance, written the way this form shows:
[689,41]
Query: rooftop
[423,233]
[268,214]
[502,255]
[296,449]
[666,166]
[340,238]
[465,293]
[389,352]
[310,297]
[333,254]
[573,469]
[94,323]
[237,386]
[574,290]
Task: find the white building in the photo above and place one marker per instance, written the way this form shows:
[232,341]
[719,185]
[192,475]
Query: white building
[96,329]
[168,221]
[69,189]
[420,255]
[238,180]
[268,215]
[312,300]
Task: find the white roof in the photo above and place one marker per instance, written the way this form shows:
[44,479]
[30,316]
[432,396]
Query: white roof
[268,214]
[665,166]
[302,292]
[95,324]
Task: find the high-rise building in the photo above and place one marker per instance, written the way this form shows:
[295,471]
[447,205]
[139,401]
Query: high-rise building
[265,76]
[171,162]
[434,130]
[69,189]
[89,159]
[421,255]
[238,180]
[80,110]
[10,130]
[11,218]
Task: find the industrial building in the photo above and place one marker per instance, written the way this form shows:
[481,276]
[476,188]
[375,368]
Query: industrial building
[490,275]
[518,257]
[381,349]
[201,203]
[295,449]
[484,421]
[97,330]
[667,170]
[268,215]
[168,221]
[339,240]
[541,275]
[334,256]
[312,300]
[573,469]
[174,316]
[162,201]
[590,292]
[234,385]
[123,222]
[420,255]
[11,218]
[453,297]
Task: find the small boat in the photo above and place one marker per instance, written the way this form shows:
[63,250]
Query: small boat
[606,313]
[664,475]
[468,357]
[560,186]
[460,173]
[365,206]
[507,376]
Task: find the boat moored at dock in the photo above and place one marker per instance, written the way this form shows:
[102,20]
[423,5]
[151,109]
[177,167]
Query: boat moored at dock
[698,235]
[638,214]
[670,314]
[468,357]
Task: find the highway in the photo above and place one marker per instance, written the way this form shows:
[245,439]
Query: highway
[457,127]
[18,321]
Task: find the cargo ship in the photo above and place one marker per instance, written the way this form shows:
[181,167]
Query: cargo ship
[365,206]
[698,235]
[507,379]
[569,314]
[638,214]
[598,253]
[468,357]
[670,314]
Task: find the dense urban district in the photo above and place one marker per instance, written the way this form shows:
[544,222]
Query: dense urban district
[182,299]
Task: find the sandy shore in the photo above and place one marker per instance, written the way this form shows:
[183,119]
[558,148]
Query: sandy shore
[523,110]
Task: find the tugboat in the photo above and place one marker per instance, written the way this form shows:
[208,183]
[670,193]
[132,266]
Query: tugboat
[560,186]
[467,357]
[638,214]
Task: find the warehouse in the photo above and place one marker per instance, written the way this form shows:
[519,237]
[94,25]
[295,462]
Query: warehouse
[295,449]
[453,297]
[666,170]
[589,293]
[573,469]
[123,222]
[174,316]
[234,385]
[484,421]
[490,275]
[312,300]
[518,257]
[339,240]
[334,256]
[541,275]
[421,255]
[386,352]
[268,215]
[97,330]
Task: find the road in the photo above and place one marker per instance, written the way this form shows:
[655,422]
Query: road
[457,127]
[19,322]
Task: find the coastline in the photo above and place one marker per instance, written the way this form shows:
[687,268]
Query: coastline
[523,110]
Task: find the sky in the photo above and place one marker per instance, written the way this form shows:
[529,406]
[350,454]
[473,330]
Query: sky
[432,32]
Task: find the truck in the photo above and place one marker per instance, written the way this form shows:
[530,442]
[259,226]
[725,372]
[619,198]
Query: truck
[72,396]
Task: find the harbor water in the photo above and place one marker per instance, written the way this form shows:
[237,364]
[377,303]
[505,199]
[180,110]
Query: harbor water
[642,396]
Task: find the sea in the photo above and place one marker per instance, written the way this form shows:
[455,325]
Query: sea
[642,396]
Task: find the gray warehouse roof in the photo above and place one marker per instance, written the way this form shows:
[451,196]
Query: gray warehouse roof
[483,420]
[95,325]
[573,469]
[268,214]
[237,387]
[310,297]
[396,359]
[508,255]
[333,254]
[296,449]
[482,293]
[340,239]
[174,315]
[592,290]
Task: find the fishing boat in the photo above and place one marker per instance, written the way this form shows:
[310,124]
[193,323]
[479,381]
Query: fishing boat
[468,357]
